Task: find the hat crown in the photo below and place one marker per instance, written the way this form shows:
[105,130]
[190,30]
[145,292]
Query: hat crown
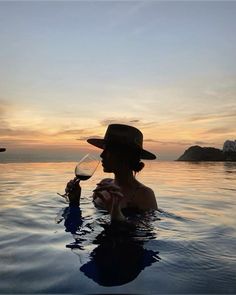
[124,134]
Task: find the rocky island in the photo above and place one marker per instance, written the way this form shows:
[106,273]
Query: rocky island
[198,153]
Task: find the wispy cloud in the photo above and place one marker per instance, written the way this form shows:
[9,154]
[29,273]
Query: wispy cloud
[213,117]
[119,120]
[71,132]
[222,130]
[84,138]
[204,143]
[136,122]
[180,142]
[19,132]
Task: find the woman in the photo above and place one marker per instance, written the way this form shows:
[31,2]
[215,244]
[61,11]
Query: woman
[122,153]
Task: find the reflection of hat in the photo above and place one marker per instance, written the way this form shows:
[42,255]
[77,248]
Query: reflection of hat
[119,134]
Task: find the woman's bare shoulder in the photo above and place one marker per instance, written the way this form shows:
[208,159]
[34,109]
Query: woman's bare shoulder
[146,197]
[145,190]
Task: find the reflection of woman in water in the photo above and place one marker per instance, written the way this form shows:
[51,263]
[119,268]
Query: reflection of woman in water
[119,257]
[120,254]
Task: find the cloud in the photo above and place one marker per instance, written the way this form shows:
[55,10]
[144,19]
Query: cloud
[136,122]
[84,138]
[119,120]
[19,141]
[213,117]
[4,107]
[181,142]
[168,142]
[23,123]
[204,143]
[7,131]
[71,132]
[221,130]
[19,132]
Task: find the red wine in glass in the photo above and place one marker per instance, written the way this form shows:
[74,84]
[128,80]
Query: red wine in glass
[83,177]
[86,167]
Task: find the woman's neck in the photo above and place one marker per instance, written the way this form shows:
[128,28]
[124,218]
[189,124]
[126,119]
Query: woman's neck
[124,178]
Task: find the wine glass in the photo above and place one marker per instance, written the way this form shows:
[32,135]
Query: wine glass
[83,171]
[86,167]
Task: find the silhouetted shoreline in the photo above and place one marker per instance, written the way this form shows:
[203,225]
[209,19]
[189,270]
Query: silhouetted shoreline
[198,153]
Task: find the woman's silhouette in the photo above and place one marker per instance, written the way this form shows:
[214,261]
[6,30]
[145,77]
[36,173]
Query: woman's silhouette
[120,254]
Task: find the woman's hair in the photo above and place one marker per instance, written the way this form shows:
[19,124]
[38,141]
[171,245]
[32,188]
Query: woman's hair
[134,161]
[138,167]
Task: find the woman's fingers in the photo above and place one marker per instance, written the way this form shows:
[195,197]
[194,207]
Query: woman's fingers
[105,197]
[117,194]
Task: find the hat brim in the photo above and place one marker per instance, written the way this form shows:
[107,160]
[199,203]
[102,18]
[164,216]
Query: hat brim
[101,143]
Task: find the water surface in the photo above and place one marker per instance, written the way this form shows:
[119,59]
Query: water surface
[189,247]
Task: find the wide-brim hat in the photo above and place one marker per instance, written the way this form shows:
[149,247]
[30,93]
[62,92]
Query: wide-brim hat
[123,135]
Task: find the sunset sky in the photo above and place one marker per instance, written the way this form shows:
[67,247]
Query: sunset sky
[70,68]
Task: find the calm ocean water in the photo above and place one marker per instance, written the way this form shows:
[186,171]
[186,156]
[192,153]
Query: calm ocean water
[190,247]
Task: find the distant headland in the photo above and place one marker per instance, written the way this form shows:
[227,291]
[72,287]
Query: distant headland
[2,149]
[198,153]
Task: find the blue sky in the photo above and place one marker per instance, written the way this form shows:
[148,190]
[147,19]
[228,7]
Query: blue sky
[69,68]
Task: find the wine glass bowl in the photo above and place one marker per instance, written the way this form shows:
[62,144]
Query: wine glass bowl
[86,167]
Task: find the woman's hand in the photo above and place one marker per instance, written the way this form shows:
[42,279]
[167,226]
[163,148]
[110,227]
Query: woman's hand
[111,196]
[73,191]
